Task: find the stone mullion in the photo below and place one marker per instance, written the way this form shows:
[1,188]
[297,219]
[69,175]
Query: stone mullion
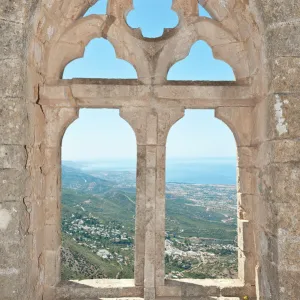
[139,217]
[150,209]
[160,215]
[151,128]
[150,226]
[144,123]
[167,117]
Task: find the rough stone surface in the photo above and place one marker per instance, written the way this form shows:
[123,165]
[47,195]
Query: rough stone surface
[260,39]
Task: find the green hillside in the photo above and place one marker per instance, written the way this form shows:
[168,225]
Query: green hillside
[98,221]
[78,263]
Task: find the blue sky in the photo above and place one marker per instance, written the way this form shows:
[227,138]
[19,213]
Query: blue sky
[102,134]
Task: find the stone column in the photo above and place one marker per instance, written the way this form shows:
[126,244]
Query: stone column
[151,127]
[137,118]
[166,118]
[57,120]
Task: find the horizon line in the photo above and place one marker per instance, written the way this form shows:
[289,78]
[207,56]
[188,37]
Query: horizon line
[130,158]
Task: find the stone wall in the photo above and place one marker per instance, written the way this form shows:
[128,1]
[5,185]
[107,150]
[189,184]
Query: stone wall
[15,240]
[279,206]
[30,157]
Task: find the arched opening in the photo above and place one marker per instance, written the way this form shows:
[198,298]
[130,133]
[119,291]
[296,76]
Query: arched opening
[151,121]
[98,179]
[98,197]
[201,65]
[201,199]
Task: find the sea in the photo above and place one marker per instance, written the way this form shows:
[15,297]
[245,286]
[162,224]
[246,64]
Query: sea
[218,170]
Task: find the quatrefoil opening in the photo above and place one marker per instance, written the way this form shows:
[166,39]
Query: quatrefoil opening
[153,17]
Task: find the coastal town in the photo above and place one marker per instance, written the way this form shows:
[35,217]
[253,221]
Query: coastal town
[200,227]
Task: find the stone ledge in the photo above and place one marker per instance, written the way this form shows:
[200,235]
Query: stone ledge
[182,289]
[98,288]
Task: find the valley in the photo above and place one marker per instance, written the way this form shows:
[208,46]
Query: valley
[98,221]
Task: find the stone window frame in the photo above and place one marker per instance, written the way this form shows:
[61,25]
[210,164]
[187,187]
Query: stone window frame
[152,105]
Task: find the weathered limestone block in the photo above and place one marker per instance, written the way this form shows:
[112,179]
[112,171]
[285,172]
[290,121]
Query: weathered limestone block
[199,291]
[287,219]
[288,250]
[36,187]
[286,151]
[12,157]
[246,157]
[52,267]
[37,217]
[268,285]
[81,291]
[283,118]
[276,11]
[245,206]
[12,11]
[245,251]
[9,223]
[149,293]
[12,184]
[247,290]
[265,220]
[268,247]
[280,151]
[12,250]
[13,121]
[10,284]
[247,181]
[53,237]
[9,253]
[284,40]
[289,285]
[52,179]
[285,182]
[11,77]
[52,211]
[11,39]
[286,73]
[168,291]
[49,293]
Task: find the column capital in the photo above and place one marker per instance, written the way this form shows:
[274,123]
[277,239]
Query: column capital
[151,125]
